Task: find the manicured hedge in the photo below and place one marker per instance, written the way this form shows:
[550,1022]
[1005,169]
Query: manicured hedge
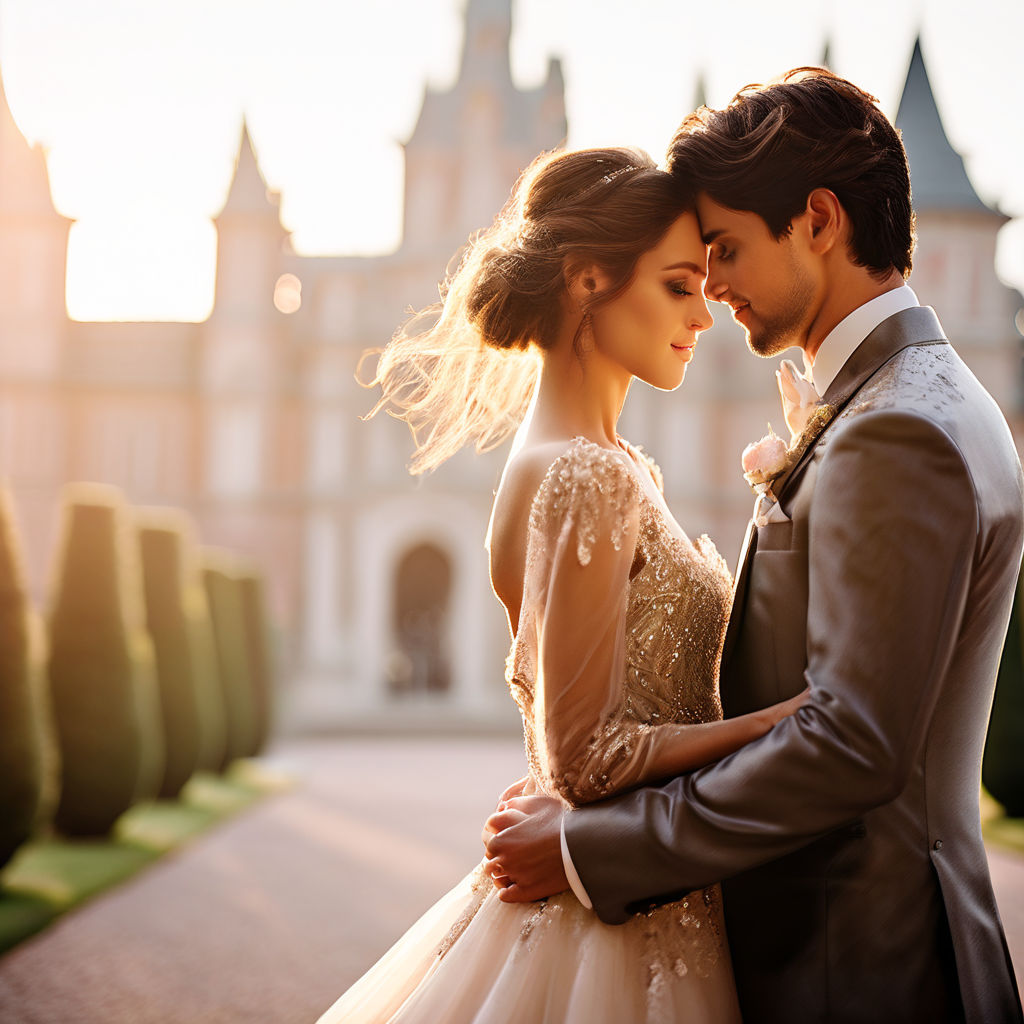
[27,743]
[261,656]
[164,553]
[224,593]
[203,652]
[101,668]
[1003,767]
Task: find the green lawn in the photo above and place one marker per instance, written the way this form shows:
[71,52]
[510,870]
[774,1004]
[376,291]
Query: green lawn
[49,876]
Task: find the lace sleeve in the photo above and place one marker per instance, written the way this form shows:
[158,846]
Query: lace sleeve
[584,525]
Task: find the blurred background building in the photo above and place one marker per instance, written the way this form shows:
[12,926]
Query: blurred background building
[250,419]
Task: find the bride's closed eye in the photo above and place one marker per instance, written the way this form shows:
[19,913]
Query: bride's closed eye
[678,288]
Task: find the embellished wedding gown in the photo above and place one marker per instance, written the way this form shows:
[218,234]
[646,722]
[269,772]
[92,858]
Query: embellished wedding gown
[623,618]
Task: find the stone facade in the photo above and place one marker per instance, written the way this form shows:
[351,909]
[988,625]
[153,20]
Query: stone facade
[251,419]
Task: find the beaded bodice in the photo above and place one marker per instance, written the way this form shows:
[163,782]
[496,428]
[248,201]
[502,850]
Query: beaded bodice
[599,662]
[676,606]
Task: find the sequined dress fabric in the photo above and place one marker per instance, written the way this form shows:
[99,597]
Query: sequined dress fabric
[617,647]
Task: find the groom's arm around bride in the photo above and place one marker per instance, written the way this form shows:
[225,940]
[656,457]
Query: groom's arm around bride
[856,883]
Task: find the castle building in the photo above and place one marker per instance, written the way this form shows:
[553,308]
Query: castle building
[251,420]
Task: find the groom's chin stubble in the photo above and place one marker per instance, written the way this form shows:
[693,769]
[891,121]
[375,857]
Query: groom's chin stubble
[768,345]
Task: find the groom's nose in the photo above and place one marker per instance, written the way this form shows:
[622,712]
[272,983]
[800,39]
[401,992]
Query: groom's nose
[715,286]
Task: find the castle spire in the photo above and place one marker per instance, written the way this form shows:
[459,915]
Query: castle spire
[826,54]
[938,178]
[249,193]
[22,169]
[485,47]
[700,93]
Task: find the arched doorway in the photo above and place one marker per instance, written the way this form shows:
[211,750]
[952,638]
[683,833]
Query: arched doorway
[419,659]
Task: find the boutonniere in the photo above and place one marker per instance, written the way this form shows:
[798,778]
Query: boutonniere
[806,415]
[764,461]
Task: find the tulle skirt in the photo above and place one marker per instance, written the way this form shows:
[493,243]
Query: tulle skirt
[472,959]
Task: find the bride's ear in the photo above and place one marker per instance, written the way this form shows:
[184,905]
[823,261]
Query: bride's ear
[584,282]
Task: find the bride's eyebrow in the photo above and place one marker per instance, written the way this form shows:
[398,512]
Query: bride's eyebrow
[685,265]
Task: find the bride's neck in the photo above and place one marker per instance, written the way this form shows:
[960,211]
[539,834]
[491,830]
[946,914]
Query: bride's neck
[577,395]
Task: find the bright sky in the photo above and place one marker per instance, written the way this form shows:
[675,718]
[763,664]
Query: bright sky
[140,105]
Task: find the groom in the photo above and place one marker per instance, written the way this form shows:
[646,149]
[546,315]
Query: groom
[855,882]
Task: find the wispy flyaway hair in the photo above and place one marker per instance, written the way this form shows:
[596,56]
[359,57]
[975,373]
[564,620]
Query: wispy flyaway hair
[464,370]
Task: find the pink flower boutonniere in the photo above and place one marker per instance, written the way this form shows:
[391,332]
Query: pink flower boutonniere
[764,460]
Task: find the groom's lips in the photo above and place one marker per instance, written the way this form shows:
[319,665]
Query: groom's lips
[738,311]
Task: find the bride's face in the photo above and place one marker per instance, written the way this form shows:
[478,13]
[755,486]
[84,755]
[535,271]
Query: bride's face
[651,329]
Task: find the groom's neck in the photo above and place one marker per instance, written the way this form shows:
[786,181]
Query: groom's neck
[847,288]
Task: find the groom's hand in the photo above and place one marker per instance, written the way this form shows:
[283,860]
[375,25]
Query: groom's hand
[524,853]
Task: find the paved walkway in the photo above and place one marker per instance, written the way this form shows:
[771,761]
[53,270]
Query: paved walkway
[269,917]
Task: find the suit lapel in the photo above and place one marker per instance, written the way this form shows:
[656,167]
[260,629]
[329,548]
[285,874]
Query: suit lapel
[915,326]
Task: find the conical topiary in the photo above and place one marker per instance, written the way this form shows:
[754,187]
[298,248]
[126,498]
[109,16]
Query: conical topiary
[226,611]
[203,651]
[261,657]
[26,734]
[39,656]
[1002,770]
[163,550]
[101,671]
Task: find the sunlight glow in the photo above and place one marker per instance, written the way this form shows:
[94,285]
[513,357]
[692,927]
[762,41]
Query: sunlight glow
[140,108]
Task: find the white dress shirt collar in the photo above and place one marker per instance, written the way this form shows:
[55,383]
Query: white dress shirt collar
[844,339]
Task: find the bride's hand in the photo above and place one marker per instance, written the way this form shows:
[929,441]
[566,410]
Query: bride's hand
[785,708]
[524,856]
[516,789]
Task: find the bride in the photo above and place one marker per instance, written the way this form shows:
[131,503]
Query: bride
[591,275]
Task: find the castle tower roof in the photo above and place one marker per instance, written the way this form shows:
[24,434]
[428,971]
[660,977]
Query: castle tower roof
[249,193]
[485,66]
[937,174]
[700,93]
[23,170]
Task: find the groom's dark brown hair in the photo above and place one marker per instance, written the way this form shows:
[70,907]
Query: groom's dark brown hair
[776,142]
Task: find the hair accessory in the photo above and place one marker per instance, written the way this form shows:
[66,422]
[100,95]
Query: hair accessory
[612,175]
[605,180]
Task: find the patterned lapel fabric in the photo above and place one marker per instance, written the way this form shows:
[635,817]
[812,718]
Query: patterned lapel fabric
[915,326]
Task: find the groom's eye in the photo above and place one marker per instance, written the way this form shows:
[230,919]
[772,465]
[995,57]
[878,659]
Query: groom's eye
[723,255]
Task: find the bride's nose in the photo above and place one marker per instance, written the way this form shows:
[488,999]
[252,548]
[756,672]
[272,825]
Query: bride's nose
[702,319]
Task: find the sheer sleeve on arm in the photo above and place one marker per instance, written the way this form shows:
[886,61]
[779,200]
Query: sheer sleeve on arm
[584,525]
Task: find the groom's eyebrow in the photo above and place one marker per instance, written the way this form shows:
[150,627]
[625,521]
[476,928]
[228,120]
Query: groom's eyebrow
[686,266]
[709,236]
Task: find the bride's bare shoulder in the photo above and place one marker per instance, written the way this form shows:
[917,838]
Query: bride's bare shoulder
[553,468]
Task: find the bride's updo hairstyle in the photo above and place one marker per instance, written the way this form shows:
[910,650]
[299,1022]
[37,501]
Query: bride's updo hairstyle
[464,369]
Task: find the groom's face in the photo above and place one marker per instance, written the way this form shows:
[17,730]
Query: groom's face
[769,283]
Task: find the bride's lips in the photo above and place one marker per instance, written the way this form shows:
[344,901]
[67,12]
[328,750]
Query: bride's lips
[684,350]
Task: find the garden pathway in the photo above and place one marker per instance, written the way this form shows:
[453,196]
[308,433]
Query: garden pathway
[267,918]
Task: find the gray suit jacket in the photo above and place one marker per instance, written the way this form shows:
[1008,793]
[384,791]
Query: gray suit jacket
[856,884]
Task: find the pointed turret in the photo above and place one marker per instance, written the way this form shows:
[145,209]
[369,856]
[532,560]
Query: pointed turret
[471,141]
[33,251]
[937,174]
[956,246]
[250,240]
[700,93]
[22,169]
[248,193]
[826,56]
[485,47]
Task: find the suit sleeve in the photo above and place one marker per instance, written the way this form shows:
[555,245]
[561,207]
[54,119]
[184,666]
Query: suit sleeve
[893,529]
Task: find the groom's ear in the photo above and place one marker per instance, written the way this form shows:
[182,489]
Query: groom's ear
[584,281]
[826,221]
